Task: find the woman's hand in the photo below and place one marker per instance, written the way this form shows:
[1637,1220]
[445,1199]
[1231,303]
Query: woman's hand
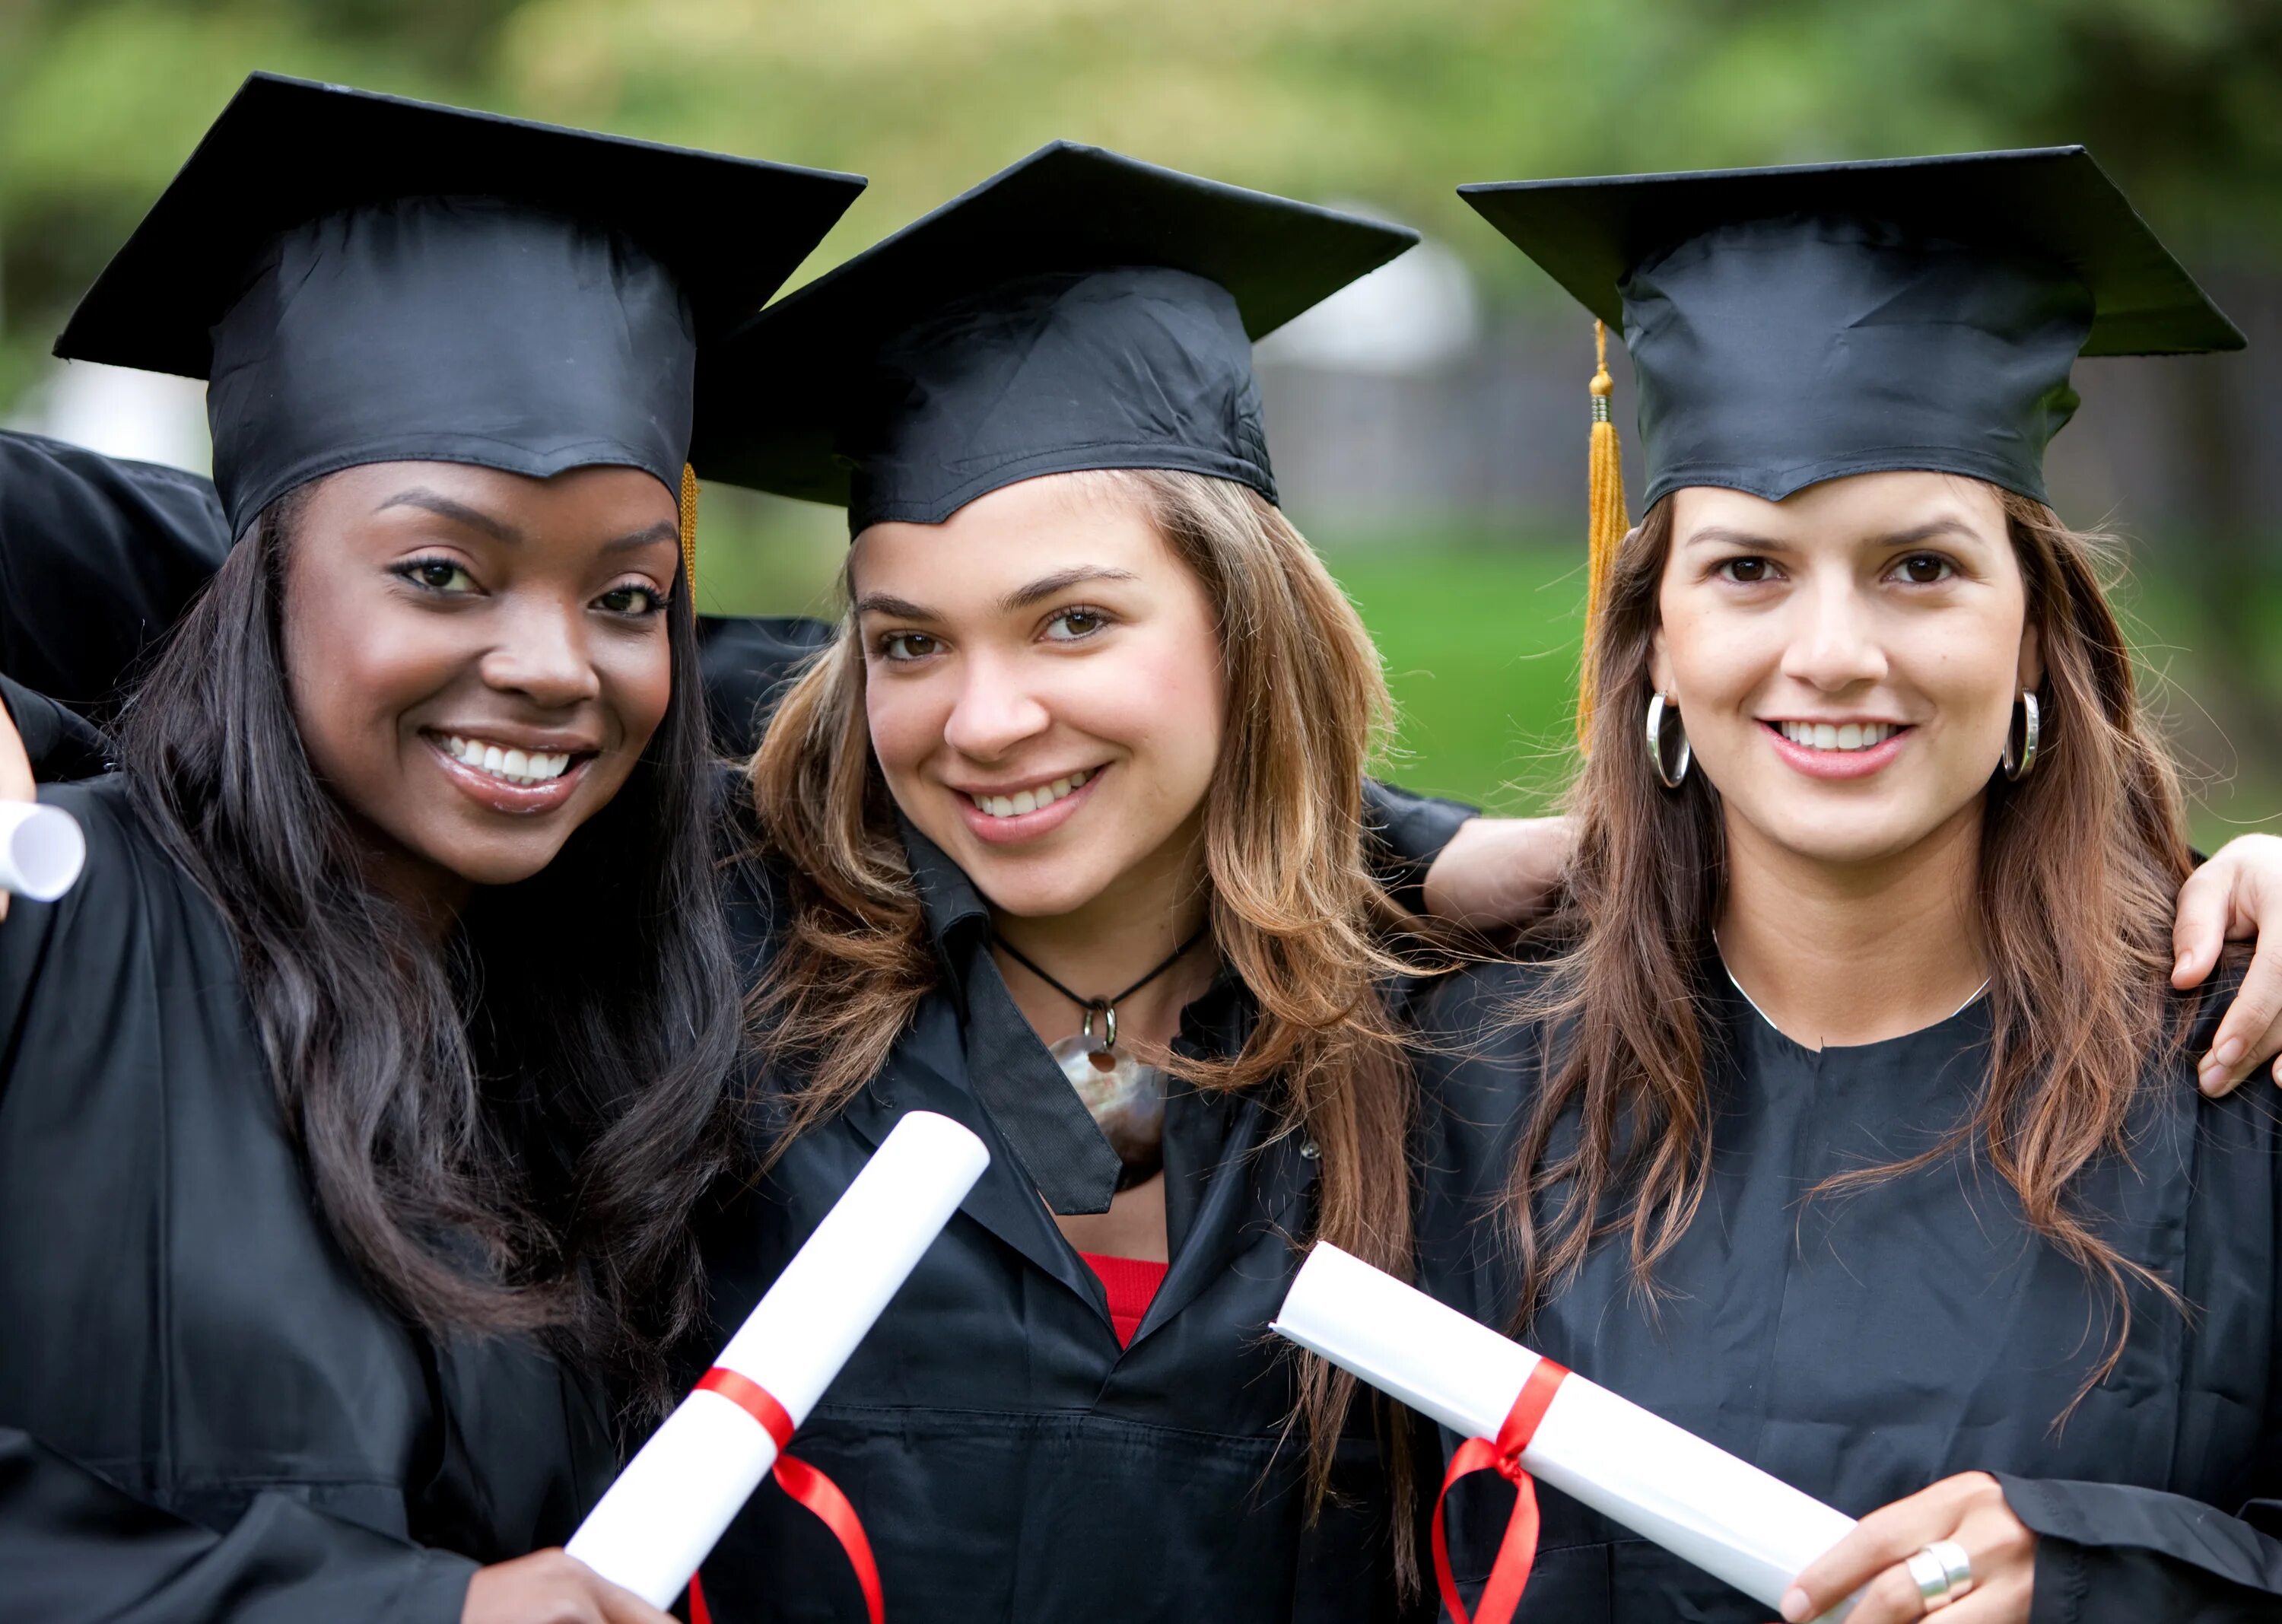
[2235,898]
[549,1587]
[1497,872]
[1968,1509]
[16,782]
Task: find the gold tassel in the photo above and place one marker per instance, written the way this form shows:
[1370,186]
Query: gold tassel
[1606,523]
[689,534]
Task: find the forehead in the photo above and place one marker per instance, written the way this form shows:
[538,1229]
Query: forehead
[1013,535]
[1860,506]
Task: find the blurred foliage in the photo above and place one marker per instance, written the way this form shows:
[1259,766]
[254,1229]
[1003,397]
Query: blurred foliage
[1393,103]
[1388,101]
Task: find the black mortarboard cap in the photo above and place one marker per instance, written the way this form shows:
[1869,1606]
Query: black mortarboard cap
[1791,325]
[364,279]
[1079,310]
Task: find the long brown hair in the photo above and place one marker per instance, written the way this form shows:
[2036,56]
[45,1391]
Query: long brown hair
[2079,864]
[1294,908]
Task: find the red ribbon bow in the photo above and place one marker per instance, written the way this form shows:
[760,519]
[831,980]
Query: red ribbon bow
[1518,1551]
[803,1482]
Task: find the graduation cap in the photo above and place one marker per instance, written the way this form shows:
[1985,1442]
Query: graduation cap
[363,279]
[1078,310]
[1792,325]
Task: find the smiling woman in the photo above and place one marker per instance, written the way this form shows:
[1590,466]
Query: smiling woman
[1845,1117]
[357,1099]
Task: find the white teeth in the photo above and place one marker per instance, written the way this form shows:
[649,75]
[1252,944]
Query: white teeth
[1028,800]
[1848,737]
[508,764]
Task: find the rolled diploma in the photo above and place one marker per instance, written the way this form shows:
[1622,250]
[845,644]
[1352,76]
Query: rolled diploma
[41,849]
[1663,1482]
[661,1518]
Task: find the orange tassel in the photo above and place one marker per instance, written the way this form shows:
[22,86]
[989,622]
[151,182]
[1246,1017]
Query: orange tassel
[689,534]
[1605,526]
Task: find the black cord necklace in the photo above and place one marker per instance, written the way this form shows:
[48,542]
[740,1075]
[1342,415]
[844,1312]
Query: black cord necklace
[1127,1100]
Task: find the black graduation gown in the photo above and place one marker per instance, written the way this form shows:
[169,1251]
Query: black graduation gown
[1010,1461]
[1861,1347]
[204,1412]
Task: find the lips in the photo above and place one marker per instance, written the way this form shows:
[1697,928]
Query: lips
[523,783]
[1858,760]
[1014,825]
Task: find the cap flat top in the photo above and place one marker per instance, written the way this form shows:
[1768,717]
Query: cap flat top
[2052,202]
[287,150]
[773,399]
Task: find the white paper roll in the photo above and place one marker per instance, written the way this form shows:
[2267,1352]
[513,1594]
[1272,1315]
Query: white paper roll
[41,849]
[1663,1482]
[662,1517]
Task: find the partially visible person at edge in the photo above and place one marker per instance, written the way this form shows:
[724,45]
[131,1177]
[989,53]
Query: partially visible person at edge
[1846,1121]
[356,1100]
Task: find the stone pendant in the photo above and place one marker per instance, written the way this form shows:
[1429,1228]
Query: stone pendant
[1126,1101]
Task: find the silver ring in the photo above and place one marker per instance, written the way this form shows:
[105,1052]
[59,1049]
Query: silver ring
[1942,1573]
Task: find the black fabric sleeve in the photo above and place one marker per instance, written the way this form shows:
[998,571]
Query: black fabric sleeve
[63,745]
[99,558]
[72,1546]
[2113,1553]
[1406,832]
[747,661]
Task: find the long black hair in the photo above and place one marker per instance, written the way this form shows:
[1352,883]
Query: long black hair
[505,1132]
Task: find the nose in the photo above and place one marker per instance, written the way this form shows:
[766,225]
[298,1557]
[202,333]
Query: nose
[1833,644]
[542,656]
[996,710]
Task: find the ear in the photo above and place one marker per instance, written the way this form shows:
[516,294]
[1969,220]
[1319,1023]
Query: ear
[2032,656]
[1659,662]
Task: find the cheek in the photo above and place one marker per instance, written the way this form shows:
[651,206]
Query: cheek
[355,661]
[636,679]
[906,719]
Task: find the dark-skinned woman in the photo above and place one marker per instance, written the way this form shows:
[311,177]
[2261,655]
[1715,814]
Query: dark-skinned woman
[355,1099]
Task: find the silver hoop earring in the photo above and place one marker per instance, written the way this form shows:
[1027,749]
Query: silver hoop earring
[2018,768]
[1673,778]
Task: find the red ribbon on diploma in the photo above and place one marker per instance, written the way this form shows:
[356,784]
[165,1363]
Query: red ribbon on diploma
[1518,1551]
[803,1482]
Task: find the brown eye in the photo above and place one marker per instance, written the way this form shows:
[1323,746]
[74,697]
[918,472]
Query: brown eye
[436,575]
[906,646]
[1746,571]
[1075,625]
[1925,569]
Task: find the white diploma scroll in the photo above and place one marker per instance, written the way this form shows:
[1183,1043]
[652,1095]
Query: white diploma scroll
[661,1518]
[1724,1515]
[41,849]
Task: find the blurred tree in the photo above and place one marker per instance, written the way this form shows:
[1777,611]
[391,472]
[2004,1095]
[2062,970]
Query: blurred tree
[1390,103]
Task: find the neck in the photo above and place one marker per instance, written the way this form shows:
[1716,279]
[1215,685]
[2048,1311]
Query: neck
[1112,941]
[1855,953]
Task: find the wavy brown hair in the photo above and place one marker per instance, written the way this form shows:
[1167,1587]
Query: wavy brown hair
[2079,864]
[1295,910]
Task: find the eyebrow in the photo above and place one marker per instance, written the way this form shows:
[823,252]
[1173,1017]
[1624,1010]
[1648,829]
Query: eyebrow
[1061,580]
[1021,597]
[1917,535]
[499,530]
[458,512]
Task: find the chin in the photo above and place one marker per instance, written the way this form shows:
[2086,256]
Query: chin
[1043,891]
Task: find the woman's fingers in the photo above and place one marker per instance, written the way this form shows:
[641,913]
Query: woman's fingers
[1968,1509]
[552,1587]
[2205,913]
[2251,1033]
[16,782]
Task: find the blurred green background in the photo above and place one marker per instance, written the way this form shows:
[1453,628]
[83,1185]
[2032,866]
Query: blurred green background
[1471,584]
